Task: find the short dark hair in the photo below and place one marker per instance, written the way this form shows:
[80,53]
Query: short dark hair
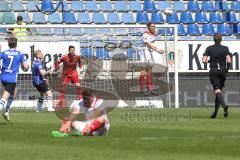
[149,23]
[19,18]
[217,38]
[70,47]
[12,42]
[87,93]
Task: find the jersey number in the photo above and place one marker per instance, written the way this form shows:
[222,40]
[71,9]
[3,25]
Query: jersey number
[11,60]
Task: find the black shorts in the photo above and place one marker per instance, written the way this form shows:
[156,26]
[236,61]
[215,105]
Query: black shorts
[42,88]
[217,78]
[9,87]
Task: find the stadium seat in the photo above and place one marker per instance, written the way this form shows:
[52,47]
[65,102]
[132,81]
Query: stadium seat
[223,29]
[47,6]
[119,31]
[193,30]
[83,18]
[102,53]
[215,17]
[161,31]
[17,6]
[208,29]
[162,5]
[106,6]
[235,6]
[149,6]
[193,6]
[181,30]
[39,18]
[105,31]
[44,31]
[4,6]
[221,6]
[142,18]
[3,30]
[172,18]
[236,28]
[98,18]
[135,6]
[133,54]
[230,17]
[91,6]
[121,6]
[8,18]
[77,6]
[208,6]
[178,6]
[69,18]
[32,6]
[87,52]
[157,17]
[25,17]
[127,18]
[59,31]
[201,17]
[113,18]
[54,18]
[74,31]
[64,4]
[186,17]
[91,31]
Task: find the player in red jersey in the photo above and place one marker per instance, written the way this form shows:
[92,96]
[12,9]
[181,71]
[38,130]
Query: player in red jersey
[69,73]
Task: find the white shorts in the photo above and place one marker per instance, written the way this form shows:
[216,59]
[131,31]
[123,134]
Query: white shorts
[81,125]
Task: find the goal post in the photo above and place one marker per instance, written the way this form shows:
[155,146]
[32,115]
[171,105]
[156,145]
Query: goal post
[118,40]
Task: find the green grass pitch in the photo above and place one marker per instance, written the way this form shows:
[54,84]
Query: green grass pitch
[28,137]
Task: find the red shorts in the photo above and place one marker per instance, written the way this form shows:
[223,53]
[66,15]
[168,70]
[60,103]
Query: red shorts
[67,79]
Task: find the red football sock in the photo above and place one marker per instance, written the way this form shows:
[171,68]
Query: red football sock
[61,97]
[142,82]
[95,125]
[149,82]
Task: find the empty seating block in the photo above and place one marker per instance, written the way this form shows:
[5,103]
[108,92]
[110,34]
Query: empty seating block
[135,6]
[4,6]
[91,6]
[98,18]
[17,6]
[39,18]
[113,18]
[83,17]
[54,18]
[63,6]
[149,6]
[77,6]
[142,18]
[121,6]
[106,6]
[8,18]
[69,18]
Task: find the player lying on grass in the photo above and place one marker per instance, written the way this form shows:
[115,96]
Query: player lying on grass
[40,83]
[94,122]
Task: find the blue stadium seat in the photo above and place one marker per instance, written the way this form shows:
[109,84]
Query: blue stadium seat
[157,17]
[74,31]
[119,31]
[121,6]
[186,17]
[142,18]
[236,28]
[223,29]
[215,17]
[106,6]
[162,5]
[59,31]
[87,52]
[133,54]
[25,17]
[98,18]
[106,31]
[17,6]
[193,30]
[65,6]
[127,18]
[149,6]
[69,18]
[83,17]
[39,18]
[235,6]
[201,17]
[32,6]
[221,6]
[172,18]
[102,53]
[77,6]
[54,18]
[44,31]
[208,6]
[135,6]
[178,6]
[4,6]
[47,6]
[193,6]
[230,17]
[8,18]
[91,6]
[91,31]
[161,31]
[113,18]
[181,30]
[3,30]
[208,29]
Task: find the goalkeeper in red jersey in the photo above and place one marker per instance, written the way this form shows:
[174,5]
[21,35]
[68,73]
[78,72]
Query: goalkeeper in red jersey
[69,73]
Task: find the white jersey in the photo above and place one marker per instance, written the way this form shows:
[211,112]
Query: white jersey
[148,55]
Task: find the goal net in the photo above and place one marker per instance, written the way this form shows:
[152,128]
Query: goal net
[111,62]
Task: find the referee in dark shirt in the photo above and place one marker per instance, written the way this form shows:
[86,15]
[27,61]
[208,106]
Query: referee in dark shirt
[220,62]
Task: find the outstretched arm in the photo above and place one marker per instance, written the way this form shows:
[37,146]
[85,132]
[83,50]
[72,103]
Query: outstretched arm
[152,46]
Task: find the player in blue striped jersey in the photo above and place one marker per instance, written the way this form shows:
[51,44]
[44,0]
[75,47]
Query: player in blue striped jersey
[40,83]
[11,61]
